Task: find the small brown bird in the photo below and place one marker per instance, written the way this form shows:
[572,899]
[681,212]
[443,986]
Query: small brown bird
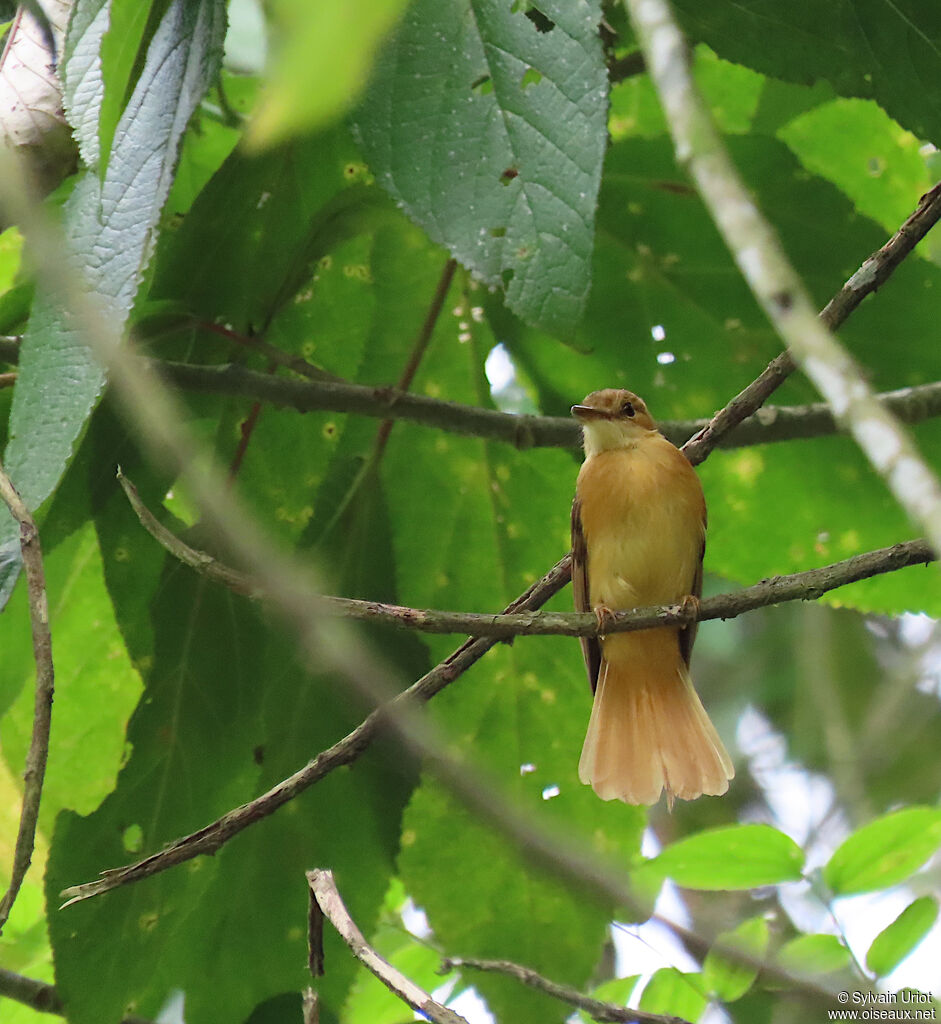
[638,538]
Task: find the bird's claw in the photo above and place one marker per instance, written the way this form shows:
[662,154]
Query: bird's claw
[604,616]
[691,605]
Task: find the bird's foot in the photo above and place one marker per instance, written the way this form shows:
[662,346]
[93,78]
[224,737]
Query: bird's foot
[690,605]
[604,617]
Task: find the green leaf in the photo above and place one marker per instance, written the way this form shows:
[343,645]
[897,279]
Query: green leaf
[326,50]
[494,143]
[734,857]
[897,940]
[617,991]
[251,236]
[813,954]
[730,979]
[884,852]
[82,82]
[96,686]
[676,993]
[101,47]
[858,147]
[854,46]
[110,227]
[120,51]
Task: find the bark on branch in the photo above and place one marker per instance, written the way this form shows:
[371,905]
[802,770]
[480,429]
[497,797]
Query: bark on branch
[38,752]
[800,586]
[326,896]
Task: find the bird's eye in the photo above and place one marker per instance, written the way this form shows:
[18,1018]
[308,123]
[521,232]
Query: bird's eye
[627,409]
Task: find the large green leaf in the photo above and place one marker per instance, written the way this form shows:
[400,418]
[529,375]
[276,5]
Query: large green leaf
[865,48]
[101,47]
[734,857]
[488,126]
[884,852]
[110,227]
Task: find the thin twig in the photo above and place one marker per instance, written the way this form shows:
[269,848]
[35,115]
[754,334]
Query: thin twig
[628,66]
[418,350]
[801,586]
[773,281]
[288,360]
[40,995]
[874,272]
[324,891]
[45,683]
[597,1009]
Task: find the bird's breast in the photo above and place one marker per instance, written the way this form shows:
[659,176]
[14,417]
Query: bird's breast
[643,516]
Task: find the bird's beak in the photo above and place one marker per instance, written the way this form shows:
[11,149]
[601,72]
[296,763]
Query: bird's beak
[589,412]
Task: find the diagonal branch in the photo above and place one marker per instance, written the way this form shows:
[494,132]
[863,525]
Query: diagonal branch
[326,897]
[800,586]
[45,680]
[874,272]
[597,1009]
[773,280]
[213,836]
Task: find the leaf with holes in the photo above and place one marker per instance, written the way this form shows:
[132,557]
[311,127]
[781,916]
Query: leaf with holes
[487,123]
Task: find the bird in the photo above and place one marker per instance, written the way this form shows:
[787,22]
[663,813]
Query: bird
[638,539]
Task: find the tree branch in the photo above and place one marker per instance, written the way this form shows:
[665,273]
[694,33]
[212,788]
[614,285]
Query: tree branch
[327,897]
[771,277]
[40,996]
[38,752]
[597,1009]
[800,586]
[874,272]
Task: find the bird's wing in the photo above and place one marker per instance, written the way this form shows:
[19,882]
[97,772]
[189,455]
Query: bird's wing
[687,635]
[591,648]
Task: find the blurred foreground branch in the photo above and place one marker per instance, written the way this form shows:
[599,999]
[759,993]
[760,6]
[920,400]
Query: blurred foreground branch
[772,279]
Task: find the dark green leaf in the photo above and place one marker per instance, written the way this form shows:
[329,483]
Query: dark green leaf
[884,852]
[887,52]
[494,143]
[897,940]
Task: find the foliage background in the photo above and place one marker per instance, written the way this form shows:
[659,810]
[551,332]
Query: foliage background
[317,209]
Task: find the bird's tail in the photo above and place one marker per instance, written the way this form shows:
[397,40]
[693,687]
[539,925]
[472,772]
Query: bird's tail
[648,730]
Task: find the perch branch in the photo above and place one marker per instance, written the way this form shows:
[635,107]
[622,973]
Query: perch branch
[38,752]
[775,284]
[800,586]
[324,892]
[597,1009]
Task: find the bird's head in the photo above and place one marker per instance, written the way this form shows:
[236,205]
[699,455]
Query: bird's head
[612,418]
